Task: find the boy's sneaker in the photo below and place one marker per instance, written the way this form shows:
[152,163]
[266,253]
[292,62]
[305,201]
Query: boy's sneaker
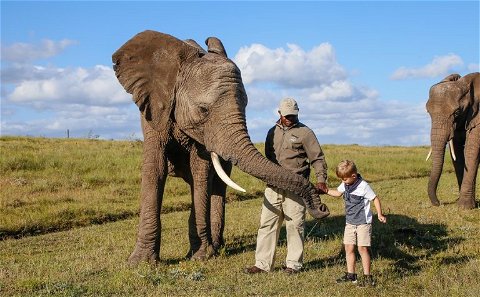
[347,278]
[366,281]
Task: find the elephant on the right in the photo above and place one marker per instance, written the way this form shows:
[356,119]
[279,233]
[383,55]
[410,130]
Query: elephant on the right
[453,106]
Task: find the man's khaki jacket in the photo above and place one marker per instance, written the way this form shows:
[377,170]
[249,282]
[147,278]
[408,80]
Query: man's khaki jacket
[296,148]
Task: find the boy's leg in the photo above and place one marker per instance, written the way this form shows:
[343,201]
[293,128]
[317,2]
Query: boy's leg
[365,255]
[350,257]
[349,241]
[294,210]
[364,237]
[270,222]
[364,243]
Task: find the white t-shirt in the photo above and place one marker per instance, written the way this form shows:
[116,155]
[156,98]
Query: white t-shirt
[357,202]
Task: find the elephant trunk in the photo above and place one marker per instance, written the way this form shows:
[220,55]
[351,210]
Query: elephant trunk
[233,143]
[439,139]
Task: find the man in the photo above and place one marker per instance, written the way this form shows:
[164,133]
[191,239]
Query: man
[294,146]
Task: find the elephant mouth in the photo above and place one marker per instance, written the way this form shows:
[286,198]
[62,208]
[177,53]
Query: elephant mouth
[452,151]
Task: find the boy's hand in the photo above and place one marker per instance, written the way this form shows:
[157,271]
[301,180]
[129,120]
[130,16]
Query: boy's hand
[382,218]
[322,188]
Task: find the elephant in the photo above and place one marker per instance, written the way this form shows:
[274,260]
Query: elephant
[192,104]
[453,106]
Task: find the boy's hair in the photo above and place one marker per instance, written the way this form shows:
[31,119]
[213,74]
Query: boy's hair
[346,168]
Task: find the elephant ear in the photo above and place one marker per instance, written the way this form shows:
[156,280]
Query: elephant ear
[471,84]
[451,77]
[147,66]
[215,46]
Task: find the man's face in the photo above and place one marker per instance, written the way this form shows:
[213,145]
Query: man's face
[288,120]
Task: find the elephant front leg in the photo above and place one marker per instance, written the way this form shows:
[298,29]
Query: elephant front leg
[472,156]
[199,226]
[154,174]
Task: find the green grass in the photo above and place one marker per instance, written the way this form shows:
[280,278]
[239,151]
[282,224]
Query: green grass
[69,214]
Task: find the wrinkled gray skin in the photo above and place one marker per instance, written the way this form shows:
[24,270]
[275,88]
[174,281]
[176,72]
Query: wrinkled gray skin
[453,106]
[192,103]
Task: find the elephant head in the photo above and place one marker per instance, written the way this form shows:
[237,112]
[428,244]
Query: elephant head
[179,86]
[453,106]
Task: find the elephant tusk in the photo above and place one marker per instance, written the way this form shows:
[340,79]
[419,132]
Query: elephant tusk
[452,151]
[221,173]
[429,154]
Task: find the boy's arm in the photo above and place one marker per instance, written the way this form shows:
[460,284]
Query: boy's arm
[378,207]
[334,193]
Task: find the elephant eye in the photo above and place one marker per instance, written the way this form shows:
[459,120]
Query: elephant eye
[456,113]
[203,109]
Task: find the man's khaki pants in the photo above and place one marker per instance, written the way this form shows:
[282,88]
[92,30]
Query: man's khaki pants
[280,205]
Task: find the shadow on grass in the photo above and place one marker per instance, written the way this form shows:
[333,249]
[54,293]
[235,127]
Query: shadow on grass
[70,219]
[477,203]
[67,220]
[403,239]
[241,244]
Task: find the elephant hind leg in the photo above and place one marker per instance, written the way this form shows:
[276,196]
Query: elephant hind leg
[217,221]
[217,208]
[199,221]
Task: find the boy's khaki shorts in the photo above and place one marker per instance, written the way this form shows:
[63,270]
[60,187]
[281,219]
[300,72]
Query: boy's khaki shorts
[359,235]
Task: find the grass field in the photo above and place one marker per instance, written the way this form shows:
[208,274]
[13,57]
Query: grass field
[69,214]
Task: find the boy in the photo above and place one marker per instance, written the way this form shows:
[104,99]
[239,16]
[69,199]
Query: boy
[358,230]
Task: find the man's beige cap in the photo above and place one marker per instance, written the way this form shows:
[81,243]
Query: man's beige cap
[288,106]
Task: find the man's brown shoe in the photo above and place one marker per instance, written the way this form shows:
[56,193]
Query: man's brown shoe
[289,270]
[253,270]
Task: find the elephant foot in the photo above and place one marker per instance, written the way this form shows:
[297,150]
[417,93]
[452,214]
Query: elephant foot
[202,254]
[466,203]
[143,255]
[217,246]
[435,202]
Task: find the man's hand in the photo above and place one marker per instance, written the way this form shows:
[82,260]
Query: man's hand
[322,188]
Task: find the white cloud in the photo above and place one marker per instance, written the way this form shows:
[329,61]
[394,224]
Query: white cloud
[362,119]
[82,122]
[25,52]
[440,66]
[337,89]
[90,100]
[52,87]
[370,121]
[291,67]
[46,100]
[334,108]
[17,73]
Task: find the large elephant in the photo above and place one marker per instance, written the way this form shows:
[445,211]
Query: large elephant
[193,106]
[453,106]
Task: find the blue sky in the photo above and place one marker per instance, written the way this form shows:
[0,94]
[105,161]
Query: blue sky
[360,70]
